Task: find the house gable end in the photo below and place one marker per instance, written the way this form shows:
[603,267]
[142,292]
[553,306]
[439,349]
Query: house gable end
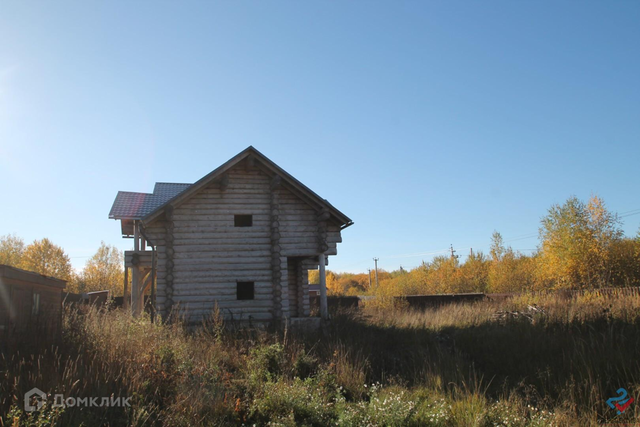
[249,159]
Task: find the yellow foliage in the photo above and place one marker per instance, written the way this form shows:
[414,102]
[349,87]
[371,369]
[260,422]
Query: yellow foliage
[44,257]
[11,250]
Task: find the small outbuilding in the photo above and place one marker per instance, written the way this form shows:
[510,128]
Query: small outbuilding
[29,301]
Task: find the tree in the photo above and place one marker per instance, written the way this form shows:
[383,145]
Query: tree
[104,270]
[513,272]
[576,243]
[44,257]
[474,273]
[625,258]
[11,250]
[497,246]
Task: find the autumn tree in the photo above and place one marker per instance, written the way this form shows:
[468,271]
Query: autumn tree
[474,273]
[509,270]
[444,274]
[314,277]
[576,242]
[513,272]
[11,250]
[625,260]
[497,246]
[104,270]
[43,257]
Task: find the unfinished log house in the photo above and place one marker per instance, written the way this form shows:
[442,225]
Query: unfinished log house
[242,238]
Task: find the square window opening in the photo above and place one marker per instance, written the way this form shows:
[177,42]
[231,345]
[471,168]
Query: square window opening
[245,290]
[243,220]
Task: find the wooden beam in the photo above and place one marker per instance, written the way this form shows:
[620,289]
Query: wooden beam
[136,236]
[125,293]
[324,311]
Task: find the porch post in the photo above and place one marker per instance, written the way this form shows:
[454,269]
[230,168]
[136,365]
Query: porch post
[135,273]
[324,312]
[125,289]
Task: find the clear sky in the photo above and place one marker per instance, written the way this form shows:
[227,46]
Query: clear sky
[429,123]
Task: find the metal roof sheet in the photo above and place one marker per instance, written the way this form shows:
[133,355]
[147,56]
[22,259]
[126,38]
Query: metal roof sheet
[131,205]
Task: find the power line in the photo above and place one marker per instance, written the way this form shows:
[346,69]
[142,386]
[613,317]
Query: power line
[418,254]
[528,236]
[628,212]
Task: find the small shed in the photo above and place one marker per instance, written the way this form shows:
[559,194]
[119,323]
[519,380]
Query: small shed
[29,301]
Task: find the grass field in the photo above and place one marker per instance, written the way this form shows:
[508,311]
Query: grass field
[554,364]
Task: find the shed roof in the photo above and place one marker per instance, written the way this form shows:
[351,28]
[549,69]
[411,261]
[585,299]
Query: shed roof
[12,273]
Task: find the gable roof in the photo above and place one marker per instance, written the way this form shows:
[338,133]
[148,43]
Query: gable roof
[299,188]
[130,205]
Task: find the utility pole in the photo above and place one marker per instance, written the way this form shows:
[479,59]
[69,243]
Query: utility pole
[453,253]
[369,271]
[376,261]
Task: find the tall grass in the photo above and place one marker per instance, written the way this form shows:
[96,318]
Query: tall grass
[455,365]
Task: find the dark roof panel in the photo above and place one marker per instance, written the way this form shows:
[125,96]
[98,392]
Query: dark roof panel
[130,205]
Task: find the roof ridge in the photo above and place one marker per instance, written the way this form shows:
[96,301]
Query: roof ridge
[174,183]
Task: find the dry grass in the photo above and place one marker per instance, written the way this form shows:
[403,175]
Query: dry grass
[456,365]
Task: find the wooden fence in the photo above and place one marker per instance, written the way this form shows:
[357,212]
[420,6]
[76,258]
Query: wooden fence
[569,294]
[427,301]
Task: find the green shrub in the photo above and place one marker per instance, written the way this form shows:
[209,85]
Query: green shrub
[295,403]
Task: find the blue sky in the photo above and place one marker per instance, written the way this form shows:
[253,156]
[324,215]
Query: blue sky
[429,123]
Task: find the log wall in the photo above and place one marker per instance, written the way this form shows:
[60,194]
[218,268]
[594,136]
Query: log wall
[201,255]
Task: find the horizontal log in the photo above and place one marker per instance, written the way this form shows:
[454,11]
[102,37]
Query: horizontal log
[215,220]
[226,212]
[223,229]
[223,263]
[216,275]
[196,316]
[245,208]
[332,238]
[231,198]
[200,301]
[241,256]
[228,286]
[238,269]
[214,245]
[247,172]
[262,186]
[206,295]
[210,306]
[239,232]
[213,239]
[292,227]
[221,214]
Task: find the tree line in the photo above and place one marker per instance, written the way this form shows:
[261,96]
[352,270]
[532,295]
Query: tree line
[104,270]
[582,246]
